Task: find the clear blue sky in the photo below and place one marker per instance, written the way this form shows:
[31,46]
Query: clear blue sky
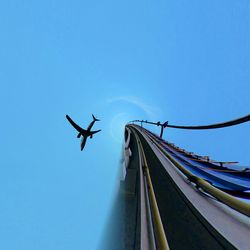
[182,61]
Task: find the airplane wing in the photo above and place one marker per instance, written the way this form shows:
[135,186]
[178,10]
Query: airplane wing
[78,128]
[94,132]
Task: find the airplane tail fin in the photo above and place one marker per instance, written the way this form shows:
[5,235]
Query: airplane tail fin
[95,119]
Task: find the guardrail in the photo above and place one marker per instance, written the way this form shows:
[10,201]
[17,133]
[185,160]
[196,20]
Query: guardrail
[227,199]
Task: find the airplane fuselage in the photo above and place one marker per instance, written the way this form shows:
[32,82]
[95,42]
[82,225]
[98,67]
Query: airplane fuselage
[83,141]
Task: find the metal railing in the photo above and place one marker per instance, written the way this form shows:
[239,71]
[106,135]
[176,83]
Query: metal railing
[227,199]
[164,125]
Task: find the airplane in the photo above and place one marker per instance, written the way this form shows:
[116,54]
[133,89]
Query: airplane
[82,132]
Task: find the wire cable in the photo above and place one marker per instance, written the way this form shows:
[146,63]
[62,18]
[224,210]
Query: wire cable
[213,126]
